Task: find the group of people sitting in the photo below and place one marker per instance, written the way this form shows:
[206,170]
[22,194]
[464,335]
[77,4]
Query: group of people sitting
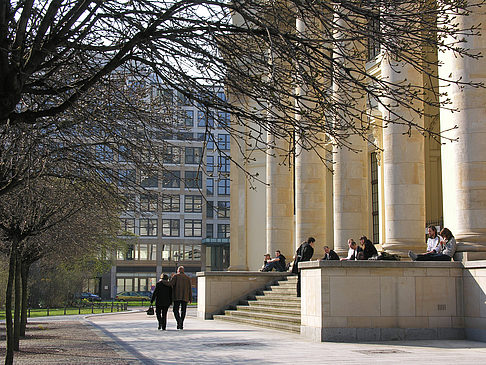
[440,247]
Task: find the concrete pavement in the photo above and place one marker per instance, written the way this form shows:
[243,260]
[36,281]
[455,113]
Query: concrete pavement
[215,342]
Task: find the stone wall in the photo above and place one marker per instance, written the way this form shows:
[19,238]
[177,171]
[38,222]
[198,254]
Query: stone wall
[475,300]
[218,290]
[382,300]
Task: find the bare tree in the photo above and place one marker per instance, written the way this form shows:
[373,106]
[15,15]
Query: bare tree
[34,219]
[57,56]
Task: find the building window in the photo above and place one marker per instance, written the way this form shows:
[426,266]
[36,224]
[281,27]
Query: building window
[149,179]
[224,163]
[374,30]
[223,209]
[223,119]
[165,252]
[104,153]
[193,180]
[170,227]
[193,155]
[129,202]
[171,203]
[126,177]
[204,119]
[193,203]
[209,230]
[192,228]
[123,153]
[210,187]
[171,179]
[171,155]
[148,227]
[375,199]
[127,226]
[209,209]
[189,118]
[224,187]
[210,165]
[224,142]
[148,203]
[223,230]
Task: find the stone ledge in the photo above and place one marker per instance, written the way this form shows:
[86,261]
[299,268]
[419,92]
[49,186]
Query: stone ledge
[271,274]
[384,263]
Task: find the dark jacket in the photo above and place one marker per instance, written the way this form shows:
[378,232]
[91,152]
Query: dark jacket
[369,250]
[303,253]
[162,294]
[332,256]
[181,287]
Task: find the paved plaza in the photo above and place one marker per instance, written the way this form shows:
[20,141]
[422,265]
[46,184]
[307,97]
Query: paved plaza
[216,342]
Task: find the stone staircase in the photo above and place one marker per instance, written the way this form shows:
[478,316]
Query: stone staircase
[276,307]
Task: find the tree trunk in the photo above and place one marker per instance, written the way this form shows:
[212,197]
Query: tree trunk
[18,303]
[8,304]
[24,271]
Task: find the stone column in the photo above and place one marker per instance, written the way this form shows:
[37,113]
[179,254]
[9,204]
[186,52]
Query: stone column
[280,207]
[404,168]
[464,159]
[350,181]
[238,206]
[311,175]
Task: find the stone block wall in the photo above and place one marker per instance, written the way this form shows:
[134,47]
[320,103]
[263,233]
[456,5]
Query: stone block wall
[475,300]
[378,301]
[217,290]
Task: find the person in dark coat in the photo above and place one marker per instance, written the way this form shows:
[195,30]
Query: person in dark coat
[182,294]
[369,249]
[303,253]
[330,254]
[162,296]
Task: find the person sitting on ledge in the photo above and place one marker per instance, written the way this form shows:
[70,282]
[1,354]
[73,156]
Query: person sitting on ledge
[278,263]
[369,249]
[445,252]
[353,251]
[329,254]
[266,258]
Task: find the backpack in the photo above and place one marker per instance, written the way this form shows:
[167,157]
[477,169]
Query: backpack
[389,257]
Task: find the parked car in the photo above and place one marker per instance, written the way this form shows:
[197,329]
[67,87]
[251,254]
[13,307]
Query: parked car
[133,296]
[89,296]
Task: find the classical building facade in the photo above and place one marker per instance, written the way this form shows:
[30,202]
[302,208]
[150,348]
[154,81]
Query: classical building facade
[391,189]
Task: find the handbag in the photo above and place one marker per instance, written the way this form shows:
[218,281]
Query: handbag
[150,311]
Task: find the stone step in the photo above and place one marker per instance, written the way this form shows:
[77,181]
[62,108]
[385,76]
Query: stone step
[273,303]
[259,323]
[283,311]
[277,297]
[293,319]
[282,290]
[275,294]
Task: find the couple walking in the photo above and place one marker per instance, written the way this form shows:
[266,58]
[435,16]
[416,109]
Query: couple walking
[177,289]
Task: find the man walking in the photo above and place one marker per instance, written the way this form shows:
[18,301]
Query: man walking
[181,294]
